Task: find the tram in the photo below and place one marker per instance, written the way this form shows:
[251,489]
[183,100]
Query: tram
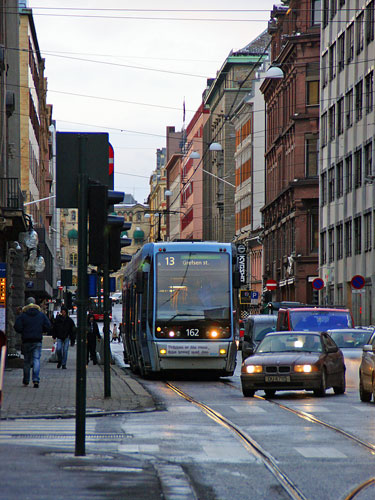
[178,308]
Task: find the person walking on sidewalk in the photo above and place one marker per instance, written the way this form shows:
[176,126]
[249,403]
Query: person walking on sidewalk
[115,335]
[31,324]
[64,331]
[92,335]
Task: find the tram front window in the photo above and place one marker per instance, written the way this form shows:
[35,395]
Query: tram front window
[193,285]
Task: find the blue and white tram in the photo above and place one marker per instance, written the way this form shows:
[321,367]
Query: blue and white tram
[178,308]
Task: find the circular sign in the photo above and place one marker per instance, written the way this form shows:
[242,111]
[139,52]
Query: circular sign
[111,159]
[241,248]
[358,282]
[318,283]
[271,284]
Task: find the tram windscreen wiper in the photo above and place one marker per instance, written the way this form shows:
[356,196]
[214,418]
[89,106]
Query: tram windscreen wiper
[182,314]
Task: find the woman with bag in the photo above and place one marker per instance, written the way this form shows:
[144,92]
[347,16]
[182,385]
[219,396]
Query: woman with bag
[92,335]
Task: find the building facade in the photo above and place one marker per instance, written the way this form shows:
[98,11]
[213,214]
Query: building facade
[290,213]
[346,163]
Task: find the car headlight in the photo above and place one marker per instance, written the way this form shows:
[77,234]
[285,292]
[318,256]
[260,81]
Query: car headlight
[305,368]
[253,368]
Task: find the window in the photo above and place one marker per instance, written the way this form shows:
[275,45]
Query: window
[331,246]
[73,215]
[368,159]
[324,129]
[349,173]
[340,116]
[349,108]
[312,93]
[357,235]
[358,101]
[367,222]
[348,238]
[339,179]
[323,185]
[339,241]
[333,8]
[323,248]
[350,43]
[325,13]
[358,168]
[369,92]
[360,32]
[73,259]
[331,120]
[331,184]
[370,21]
[314,232]
[311,146]
[332,61]
[341,52]
[324,69]
[315,12]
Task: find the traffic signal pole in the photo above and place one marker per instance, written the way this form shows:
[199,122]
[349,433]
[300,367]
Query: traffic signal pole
[106,320]
[82,302]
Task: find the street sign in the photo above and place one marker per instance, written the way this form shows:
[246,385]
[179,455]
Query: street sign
[271,284]
[358,282]
[318,284]
[242,263]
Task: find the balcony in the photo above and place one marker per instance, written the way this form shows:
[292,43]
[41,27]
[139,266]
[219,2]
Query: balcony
[10,194]
[12,217]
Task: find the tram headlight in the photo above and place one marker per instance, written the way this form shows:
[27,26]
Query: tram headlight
[214,334]
[171,333]
[254,369]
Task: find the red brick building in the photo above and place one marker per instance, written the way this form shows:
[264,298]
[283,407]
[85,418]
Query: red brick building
[290,213]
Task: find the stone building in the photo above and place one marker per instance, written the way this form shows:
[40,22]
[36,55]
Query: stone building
[290,213]
[346,160]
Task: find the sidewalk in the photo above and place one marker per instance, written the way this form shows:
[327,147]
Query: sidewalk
[55,396]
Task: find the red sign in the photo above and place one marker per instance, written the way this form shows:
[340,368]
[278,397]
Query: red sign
[358,282]
[271,284]
[111,159]
[318,284]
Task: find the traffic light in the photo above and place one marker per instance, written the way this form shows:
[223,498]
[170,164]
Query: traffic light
[100,200]
[116,242]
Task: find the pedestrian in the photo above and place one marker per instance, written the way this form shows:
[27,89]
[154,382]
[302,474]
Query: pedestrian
[121,332]
[115,335]
[92,335]
[64,331]
[31,324]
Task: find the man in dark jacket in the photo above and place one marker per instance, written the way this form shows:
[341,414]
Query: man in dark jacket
[64,330]
[31,324]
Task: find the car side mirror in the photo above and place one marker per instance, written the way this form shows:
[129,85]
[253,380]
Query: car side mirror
[332,348]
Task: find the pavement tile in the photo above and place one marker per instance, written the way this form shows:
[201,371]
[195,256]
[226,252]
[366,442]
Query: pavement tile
[56,393]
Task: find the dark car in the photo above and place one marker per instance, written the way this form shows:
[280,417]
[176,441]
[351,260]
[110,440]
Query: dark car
[309,361]
[256,328]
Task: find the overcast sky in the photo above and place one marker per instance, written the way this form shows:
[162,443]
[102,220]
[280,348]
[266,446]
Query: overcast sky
[117,67]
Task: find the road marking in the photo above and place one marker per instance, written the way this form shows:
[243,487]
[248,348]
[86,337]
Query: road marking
[320,452]
[139,448]
[228,453]
[248,409]
[184,409]
[311,408]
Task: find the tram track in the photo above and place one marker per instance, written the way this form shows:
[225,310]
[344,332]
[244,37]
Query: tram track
[267,459]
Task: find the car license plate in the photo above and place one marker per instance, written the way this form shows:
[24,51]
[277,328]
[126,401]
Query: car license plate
[277,378]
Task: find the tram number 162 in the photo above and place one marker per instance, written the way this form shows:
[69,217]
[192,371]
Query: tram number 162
[192,332]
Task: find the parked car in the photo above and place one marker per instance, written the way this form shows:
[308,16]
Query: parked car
[116,298]
[309,361]
[367,371]
[255,329]
[313,318]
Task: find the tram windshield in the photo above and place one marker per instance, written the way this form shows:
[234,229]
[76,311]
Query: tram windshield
[192,285]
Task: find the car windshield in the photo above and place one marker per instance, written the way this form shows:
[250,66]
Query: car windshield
[320,321]
[350,338]
[290,343]
[261,329]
